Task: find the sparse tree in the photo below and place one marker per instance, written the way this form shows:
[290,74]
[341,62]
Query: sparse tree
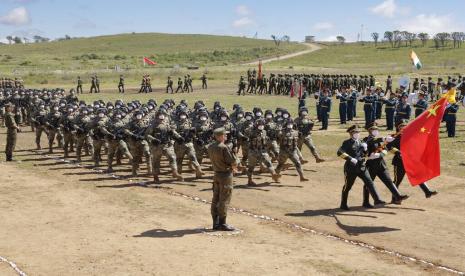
[26,40]
[286,38]
[17,40]
[424,38]
[10,39]
[443,38]
[375,37]
[397,37]
[276,40]
[67,37]
[457,37]
[389,36]
[410,37]
[437,42]
[340,39]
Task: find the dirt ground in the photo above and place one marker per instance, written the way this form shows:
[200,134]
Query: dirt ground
[61,219]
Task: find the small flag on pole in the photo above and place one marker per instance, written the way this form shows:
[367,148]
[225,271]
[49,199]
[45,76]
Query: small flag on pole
[415,60]
[148,61]
[259,77]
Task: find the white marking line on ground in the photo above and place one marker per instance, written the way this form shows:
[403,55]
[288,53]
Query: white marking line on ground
[13,265]
[280,222]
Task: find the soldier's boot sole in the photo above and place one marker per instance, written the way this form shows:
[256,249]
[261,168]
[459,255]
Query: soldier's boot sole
[320,160]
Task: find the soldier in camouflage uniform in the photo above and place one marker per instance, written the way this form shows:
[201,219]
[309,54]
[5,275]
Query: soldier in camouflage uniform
[53,128]
[258,154]
[138,145]
[116,141]
[160,135]
[98,133]
[83,139]
[304,126]
[66,124]
[203,135]
[11,134]
[241,86]
[187,131]
[288,141]
[38,120]
[169,85]
[272,130]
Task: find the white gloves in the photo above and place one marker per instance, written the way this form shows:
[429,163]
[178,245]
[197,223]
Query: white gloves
[374,156]
[354,161]
[365,146]
[389,139]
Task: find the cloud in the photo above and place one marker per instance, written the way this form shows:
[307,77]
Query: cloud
[330,38]
[431,24]
[388,8]
[243,22]
[322,26]
[16,17]
[243,10]
[84,23]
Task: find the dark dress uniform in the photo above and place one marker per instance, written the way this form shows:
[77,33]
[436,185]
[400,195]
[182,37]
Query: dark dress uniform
[121,84]
[353,149]
[369,109]
[351,106]
[390,109]
[399,171]
[342,107]
[325,109]
[420,107]
[223,161]
[451,118]
[377,168]
[11,134]
[403,111]
[378,107]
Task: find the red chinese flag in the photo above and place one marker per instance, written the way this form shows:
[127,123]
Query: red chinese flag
[420,144]
[260,69]
[292,90]
[148,61]
[300,91]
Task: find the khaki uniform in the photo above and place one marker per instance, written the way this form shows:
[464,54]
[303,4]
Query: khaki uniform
[288,141]
[223,159]
[11,135]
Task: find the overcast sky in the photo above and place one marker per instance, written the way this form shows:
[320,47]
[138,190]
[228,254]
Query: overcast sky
[325,20]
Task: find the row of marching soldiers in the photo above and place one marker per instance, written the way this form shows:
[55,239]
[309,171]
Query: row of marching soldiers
[147,131]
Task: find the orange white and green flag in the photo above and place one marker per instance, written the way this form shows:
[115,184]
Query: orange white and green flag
[415,60]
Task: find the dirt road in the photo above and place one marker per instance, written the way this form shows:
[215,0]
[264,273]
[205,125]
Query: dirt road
[311,48]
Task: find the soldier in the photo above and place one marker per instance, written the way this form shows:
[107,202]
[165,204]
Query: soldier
[116,141]
[98,133]
[121,84]
[224,164]
[288,141]
[79,85]
[203,134]
[241,86]
[93,85]
[186,131]
[379,94]
[450,115]
[189,83]
[38,120]
[148,82]
[180,86]
[257,152]
[368,108]
[325,109]
[343,98]
[143,85]
[354,151]
[377,166]
[272,130]
[304,126]
[81,126]
[160,135]
[204,81]
[389,85]
[390,108]
[169,85]
[66,124]
[351,105]
[186,84]
[403,109]
[11,133]
[53,129]
[421,105]
[393,145]
[138,145]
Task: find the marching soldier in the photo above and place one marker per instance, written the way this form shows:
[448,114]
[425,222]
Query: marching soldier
[93,85]
[116,140]
[53,129]
[450,115]
[83,139]
[98,133]
[169,85]
[353,151]
[421,105]
[368,108]
[403,109]
[66,124]
[224,164]
[204,81]
[179,85]
[343,98]
[138,146]
[351,104]
[393,145]
[79,85]
[241,86]
[304,126]
[325,109]
[390,109]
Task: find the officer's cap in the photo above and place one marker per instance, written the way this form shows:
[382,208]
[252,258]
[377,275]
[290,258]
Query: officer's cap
[353,128]
[220,131]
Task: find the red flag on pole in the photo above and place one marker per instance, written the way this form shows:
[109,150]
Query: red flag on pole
[148,61]
[259,69]
[300,90]
[292,90]
[420,144]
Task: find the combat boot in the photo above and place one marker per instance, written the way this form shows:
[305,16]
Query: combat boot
[223,226]
[177,175]
[276,177]
[301,174]
[156,180]
[216,223]
[318,159]
[199,173]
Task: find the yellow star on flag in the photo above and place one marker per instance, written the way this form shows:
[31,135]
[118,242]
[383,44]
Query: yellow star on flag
[423,129]
[432,110]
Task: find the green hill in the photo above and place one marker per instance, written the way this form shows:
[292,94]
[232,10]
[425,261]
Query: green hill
[380,59]
[127,50]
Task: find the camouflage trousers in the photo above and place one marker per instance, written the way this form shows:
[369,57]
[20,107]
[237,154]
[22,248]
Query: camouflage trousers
[273,148]
[52,135]
[98,145]
[200,152]
[307,140]
[288,153]
[38,132]
[157,153]
[182,150]
[139,149]
[259,157]
[68,143]
[10,143]
[117,148]
[222,193]
[83,140]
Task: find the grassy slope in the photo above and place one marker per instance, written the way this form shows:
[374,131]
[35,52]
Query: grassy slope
[380,59]
[128,49]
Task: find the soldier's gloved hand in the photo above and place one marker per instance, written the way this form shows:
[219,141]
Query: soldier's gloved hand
[389,139]
[354,161]
[365,146]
